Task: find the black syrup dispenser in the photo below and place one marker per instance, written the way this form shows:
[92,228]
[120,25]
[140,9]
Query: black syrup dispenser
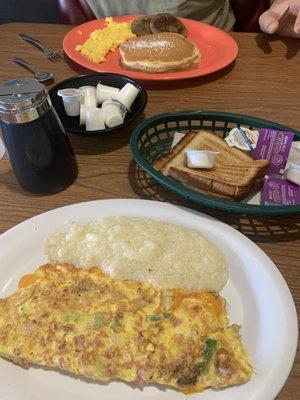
[37,144]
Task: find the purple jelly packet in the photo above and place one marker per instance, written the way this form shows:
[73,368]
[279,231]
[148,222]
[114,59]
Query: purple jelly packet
[275,146]
[278,191]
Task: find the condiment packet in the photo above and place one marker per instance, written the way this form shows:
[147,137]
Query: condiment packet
[294,154]
[274,145]
[242,138]
[292,173]
[176,138]
[2,149]
[278,191]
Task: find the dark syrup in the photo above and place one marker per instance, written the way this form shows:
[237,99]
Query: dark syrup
[41,154]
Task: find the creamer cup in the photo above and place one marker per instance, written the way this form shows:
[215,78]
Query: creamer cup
[104,92]
[127,95]
[94,119]
[83,109]
[113,112]
[88,96]
[71,101]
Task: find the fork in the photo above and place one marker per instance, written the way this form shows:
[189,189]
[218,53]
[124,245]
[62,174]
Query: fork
[49,54]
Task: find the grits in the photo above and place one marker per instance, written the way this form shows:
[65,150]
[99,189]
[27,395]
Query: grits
[160,253]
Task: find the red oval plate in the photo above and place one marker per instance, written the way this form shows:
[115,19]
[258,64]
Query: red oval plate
[218,49]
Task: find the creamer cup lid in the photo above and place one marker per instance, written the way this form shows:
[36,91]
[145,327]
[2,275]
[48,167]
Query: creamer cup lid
[86,87]
[70,92]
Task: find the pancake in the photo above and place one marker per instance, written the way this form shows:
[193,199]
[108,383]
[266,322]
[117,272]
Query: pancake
[159,52]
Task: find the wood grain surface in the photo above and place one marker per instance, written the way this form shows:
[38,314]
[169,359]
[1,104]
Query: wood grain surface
[264,82]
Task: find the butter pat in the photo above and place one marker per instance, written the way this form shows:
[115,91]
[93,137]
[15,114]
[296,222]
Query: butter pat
[200,158]
[242,138]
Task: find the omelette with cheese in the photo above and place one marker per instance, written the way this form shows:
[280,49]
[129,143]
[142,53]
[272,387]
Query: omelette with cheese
[89,324]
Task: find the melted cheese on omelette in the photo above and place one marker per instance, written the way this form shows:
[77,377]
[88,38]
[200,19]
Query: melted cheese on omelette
[89,324]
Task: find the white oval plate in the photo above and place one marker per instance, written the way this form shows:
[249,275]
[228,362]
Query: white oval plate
[256,293]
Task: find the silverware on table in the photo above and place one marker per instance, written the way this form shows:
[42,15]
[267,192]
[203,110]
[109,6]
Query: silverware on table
[41,76]
[49,54]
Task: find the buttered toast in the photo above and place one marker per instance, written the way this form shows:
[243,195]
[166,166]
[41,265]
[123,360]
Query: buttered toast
[234,175]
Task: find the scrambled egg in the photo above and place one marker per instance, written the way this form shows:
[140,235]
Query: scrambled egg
[101,41]
[86,323]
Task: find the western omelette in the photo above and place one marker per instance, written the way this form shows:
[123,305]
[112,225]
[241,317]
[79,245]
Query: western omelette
[86,323]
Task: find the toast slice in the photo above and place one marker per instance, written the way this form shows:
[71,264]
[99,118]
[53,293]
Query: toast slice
[235,173]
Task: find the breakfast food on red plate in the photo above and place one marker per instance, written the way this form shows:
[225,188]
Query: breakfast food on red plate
[167,23]
[234,174]
[141,26]
[88,324]
[158,23]
[159,52]
[160,45]
[101,41]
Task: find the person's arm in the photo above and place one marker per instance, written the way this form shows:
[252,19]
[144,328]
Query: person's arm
[283,18]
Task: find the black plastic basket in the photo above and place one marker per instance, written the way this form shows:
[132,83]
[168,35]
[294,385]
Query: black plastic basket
[153,138]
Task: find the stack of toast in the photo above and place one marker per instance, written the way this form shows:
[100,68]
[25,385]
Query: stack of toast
[235,173]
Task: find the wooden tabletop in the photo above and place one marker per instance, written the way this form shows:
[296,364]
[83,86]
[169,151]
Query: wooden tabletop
[263,82]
